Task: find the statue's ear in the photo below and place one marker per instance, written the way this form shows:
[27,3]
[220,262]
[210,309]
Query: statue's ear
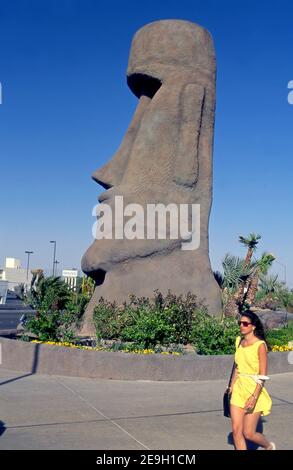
[190,115]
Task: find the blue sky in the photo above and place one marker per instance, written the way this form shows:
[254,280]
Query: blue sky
[66,107]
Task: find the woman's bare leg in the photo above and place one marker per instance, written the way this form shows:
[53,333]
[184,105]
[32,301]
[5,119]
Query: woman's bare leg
[237,417]
[249,430]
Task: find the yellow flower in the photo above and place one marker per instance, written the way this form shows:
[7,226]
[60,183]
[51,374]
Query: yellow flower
[283,348]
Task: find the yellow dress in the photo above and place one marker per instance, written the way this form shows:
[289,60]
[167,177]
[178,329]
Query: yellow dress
[247,362]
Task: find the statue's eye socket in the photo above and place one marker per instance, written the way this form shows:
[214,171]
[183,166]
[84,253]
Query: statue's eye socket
[141,84]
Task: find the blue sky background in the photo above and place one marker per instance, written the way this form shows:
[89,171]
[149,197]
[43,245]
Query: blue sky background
[66,107]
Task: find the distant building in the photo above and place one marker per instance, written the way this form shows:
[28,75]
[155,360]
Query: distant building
[15,274]
[12,263]
[70,277]
[3,291]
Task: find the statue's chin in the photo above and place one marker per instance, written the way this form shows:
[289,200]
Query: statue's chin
[103,255]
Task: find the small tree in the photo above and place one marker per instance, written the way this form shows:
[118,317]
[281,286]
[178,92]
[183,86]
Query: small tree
[236,272]
[250,243]
[240,280]
[261,267]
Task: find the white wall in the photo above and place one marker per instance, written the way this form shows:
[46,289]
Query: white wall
[12,263]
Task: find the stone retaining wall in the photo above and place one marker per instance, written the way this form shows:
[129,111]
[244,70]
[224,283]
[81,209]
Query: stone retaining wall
[57,360]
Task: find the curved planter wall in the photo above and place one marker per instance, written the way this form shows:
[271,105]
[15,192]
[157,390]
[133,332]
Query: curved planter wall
[56,360]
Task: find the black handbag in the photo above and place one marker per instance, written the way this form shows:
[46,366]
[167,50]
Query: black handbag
[226,403]
[227,394]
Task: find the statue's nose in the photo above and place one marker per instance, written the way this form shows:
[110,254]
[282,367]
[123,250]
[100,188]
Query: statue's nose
[112,173]
[109,175]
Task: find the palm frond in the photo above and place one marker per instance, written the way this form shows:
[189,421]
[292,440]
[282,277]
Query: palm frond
[251,241]
[235,271]
[219,277]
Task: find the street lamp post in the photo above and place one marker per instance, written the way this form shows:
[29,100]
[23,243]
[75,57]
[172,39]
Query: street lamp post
[54,255]
[56,262]
[28,262]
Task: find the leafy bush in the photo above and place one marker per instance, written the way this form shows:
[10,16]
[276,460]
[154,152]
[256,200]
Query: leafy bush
[58,310]
[76,306]
[210,335]
[281,336]
[165,321]
[52,326]
[109,319]
[134,322]
[149,328]
[180,312]
[50,294]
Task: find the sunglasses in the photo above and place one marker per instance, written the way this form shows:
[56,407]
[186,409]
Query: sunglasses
[244,323]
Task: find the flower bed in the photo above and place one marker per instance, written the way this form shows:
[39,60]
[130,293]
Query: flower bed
[284,348]
[275,348]
[101,348]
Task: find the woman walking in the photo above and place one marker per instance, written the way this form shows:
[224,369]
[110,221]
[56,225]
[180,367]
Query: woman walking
[249,399]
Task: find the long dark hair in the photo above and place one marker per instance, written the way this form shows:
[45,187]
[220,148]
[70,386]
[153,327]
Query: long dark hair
[259,329]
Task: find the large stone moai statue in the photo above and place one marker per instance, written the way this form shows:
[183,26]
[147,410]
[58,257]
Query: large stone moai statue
[165,158]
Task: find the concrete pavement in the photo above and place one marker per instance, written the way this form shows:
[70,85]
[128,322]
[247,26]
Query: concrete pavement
[54,412]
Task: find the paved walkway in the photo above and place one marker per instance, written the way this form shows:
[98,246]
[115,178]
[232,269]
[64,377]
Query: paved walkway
[51,412]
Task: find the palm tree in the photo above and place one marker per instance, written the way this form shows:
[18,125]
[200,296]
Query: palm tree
[261,267]
[236,272]
[50,293]
[240,280]
[251,243]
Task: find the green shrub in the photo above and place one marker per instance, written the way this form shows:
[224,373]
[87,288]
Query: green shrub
[179,312]
[150,327]
[52,326]
[139,322]
[76,306]
[59,310]
[281,336]
[210,335]
[50,293]
[149,322]
[109,319]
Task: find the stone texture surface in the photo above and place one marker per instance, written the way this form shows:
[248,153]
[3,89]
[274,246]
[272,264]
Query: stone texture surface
[273,318]
[165,157]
